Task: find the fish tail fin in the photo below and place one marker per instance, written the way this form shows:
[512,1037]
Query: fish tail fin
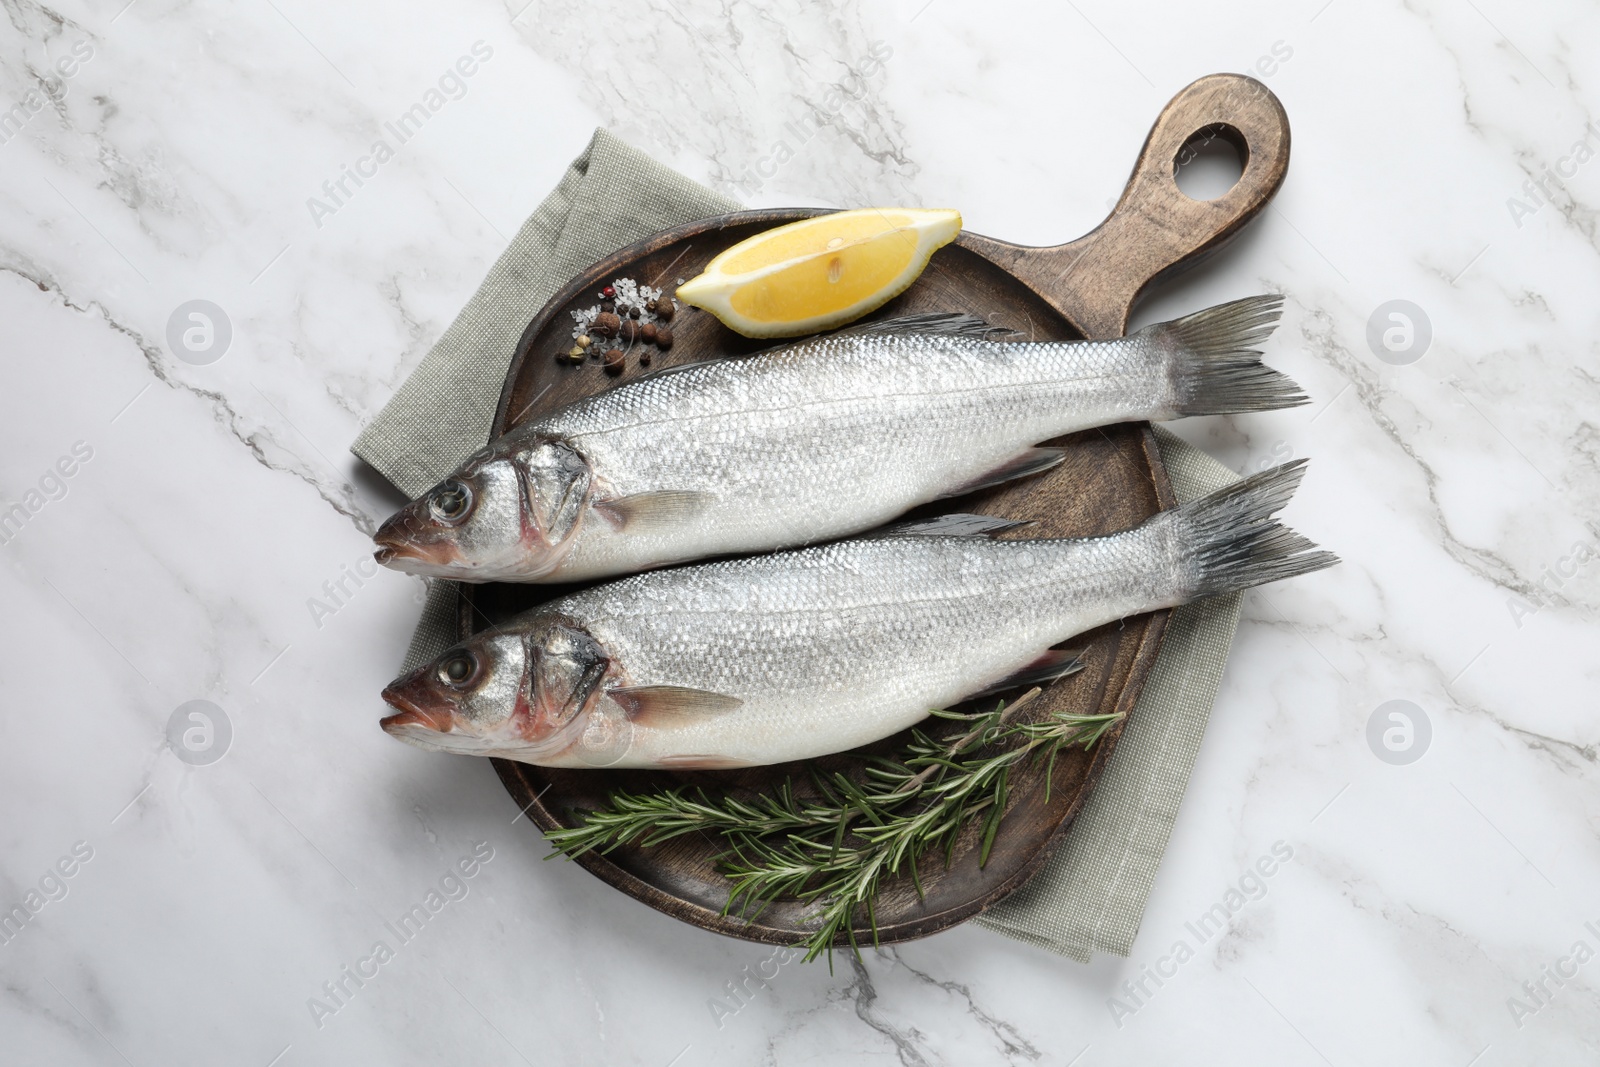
[1229,540]
[1215,365]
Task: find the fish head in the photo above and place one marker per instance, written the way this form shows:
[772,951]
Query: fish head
[509,513]
[531,694]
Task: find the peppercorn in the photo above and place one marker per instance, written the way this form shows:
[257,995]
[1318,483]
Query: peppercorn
[614,362]
[665,310]
[652,306]
[633,312]
[663,337]
[608,305]
[606,324]
[644,357]
[629,331]
[648,333]
[607,293]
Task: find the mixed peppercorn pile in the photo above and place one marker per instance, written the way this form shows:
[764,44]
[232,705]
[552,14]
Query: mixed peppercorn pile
[629,316]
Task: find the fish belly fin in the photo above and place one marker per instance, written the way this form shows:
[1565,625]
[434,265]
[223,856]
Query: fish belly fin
[1230,541]
[670,705]
[940,323]
[660,510]
[955,524]
[1032,461]
[689,762]
[1215,365]
[1054,664]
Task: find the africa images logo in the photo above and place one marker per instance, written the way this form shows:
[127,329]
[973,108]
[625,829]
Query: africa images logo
[1208,926]
[451,85]
[452,886]
[53,885]
[51,487]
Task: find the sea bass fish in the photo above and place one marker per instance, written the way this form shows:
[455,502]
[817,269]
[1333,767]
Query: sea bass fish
[810,441]
[797,654]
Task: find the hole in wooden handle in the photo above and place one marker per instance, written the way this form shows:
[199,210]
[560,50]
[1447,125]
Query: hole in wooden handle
[1211,162]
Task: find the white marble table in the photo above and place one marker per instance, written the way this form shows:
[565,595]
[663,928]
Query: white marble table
[209,541]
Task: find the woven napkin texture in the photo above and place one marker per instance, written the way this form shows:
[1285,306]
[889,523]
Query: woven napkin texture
[1091,894]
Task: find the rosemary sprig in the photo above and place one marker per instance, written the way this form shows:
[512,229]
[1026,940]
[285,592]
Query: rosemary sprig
[835,849]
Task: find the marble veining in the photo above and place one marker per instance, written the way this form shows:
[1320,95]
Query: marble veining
[209,543]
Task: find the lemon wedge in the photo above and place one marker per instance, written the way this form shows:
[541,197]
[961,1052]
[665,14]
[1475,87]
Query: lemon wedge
[818,273]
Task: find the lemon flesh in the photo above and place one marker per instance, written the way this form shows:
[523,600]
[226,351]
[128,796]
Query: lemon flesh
[819,273]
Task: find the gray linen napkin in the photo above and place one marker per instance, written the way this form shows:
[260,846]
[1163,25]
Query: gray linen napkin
[611,196]
[1091,894]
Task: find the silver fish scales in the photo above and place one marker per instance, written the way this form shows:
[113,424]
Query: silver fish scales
[811,441]
[801,653]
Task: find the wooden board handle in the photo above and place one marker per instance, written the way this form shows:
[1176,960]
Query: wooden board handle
[1156,229]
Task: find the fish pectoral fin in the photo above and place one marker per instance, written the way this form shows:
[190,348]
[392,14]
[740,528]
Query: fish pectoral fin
[667,705]
[1032,461]
[1047,668]
[660,510]
[955,524]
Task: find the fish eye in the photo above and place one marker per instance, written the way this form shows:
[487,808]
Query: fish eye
[459,670]
[451,501]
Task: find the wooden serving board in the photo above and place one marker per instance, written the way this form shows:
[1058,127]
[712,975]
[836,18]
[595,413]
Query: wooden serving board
[1112,480]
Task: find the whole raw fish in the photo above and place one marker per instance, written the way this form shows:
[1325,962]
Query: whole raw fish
[797,654]
[811,441]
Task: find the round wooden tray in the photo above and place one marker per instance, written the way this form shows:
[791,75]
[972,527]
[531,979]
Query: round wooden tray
[1112,479]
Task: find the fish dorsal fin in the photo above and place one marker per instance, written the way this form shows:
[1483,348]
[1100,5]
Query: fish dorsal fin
[956,524]
[1032,461]
[942,323]
[671,705]
[1054,664]
[662,372]
[661,510]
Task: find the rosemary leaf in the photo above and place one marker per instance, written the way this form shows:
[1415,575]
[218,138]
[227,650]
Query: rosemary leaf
[833,850]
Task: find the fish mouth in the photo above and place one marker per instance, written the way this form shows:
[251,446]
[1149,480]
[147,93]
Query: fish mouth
[411,713]
[430,727]
[397,551]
